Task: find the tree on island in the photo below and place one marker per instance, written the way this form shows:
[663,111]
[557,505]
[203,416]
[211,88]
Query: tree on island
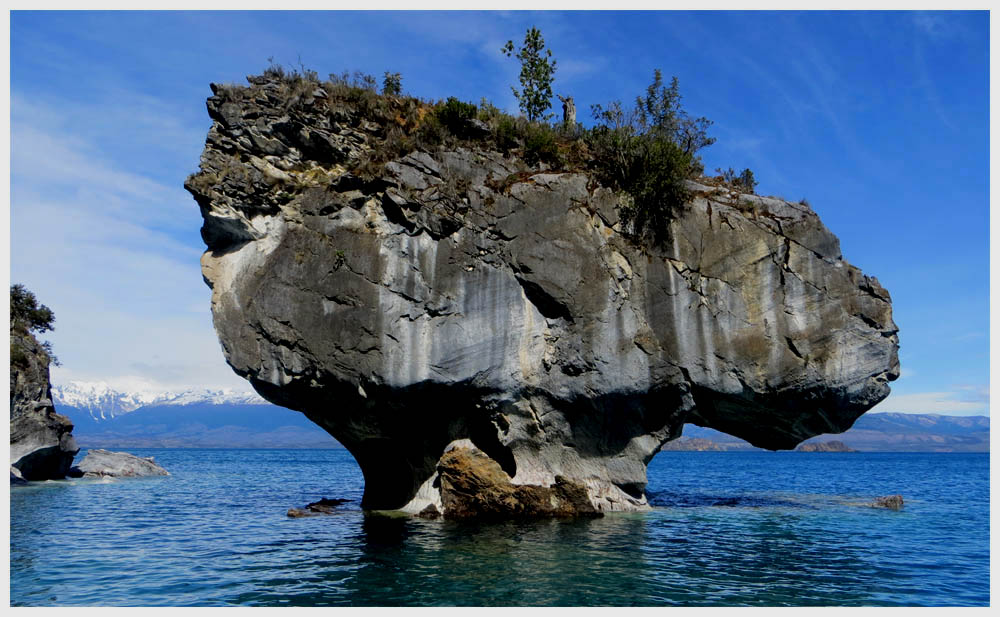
[27,315]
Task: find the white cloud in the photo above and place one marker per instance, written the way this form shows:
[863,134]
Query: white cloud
[114,251]
[946,403]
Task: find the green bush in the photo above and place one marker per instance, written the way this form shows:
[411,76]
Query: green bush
[744,181]
[488,112]
[540,146]
[455,115]
[648,153]
[505,134]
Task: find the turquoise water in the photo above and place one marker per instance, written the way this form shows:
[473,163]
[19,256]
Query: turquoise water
[727,529]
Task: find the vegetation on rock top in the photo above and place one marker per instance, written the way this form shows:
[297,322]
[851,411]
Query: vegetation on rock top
[27,317]
[646,153]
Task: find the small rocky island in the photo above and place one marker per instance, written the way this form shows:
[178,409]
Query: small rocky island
[42,446]
[41,441]
[419,281]
[105,464]
[825,446]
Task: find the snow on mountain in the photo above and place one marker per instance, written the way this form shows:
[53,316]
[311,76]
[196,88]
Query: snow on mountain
[104,402]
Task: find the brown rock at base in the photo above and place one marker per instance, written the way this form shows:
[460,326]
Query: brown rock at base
[474,486]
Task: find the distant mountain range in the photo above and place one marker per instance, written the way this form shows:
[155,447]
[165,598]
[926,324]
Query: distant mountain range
[103,402]
[104,417]
[874,432]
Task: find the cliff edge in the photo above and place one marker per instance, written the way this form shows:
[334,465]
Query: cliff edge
[408,301]
[41,441]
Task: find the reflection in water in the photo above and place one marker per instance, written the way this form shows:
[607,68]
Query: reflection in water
[415,562]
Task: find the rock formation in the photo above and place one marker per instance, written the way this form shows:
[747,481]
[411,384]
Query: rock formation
[41,441]
[569,111]
[105,464]
[455,294]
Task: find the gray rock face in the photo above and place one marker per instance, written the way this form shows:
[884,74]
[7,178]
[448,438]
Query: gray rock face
[41,441]
[102,463]
[459,295]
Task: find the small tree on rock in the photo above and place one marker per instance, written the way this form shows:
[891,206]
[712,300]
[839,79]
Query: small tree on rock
[26,313]
[392,84]
[537,74]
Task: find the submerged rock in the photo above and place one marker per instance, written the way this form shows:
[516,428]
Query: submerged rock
[102,463]
[892,502]
[323,506]
[42,446]
[456,294]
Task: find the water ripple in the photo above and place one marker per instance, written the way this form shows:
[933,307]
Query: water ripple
[727,529]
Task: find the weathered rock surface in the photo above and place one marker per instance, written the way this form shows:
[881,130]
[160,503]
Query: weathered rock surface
[104,464]
[41,441]
[460,295]
[473,485]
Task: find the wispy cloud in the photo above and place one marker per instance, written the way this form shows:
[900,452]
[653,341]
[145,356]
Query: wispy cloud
[947,403]
[936,25]
[114,251]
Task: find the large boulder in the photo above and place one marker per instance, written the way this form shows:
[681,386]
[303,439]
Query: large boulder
[42,446]
[454,293]
[105,464]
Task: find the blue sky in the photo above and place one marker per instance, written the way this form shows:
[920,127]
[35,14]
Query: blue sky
[879,119]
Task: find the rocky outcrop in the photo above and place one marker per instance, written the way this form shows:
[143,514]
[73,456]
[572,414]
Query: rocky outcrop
[455,294]
[41,441]
[825,446]
[105,464]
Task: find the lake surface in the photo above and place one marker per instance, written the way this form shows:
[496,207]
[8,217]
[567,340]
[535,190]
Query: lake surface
[727,529]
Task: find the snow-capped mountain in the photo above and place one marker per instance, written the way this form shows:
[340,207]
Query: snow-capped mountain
[103,402]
